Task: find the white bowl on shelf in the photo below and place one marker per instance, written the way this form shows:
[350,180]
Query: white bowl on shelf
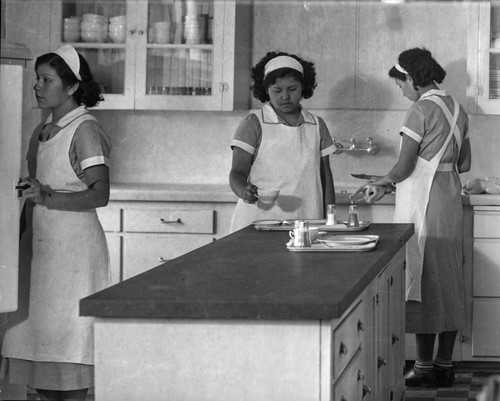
[91,35]
[117,35]
[71,35]
[119,19]
[95,18]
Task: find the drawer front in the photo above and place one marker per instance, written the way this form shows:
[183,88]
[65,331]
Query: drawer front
[109,218]
[486,225]
[349,386]
[347,339]
[144,252]
[485,329]
[486,269]
[169,221]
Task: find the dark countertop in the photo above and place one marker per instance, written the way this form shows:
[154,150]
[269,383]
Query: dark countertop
[250,275]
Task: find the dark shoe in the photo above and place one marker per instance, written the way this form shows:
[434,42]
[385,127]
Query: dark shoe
[445,377]
[413,379]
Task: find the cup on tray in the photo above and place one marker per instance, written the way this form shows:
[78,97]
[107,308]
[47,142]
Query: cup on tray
[302,235]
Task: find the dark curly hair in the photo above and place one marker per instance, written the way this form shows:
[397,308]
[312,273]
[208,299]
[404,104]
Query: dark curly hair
[260,84]
[420,66]
[88,92]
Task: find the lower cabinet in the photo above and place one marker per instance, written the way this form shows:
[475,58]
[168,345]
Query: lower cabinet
[480,339]
[142,235]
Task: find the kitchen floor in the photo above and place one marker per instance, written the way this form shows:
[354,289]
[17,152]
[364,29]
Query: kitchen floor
[467,387]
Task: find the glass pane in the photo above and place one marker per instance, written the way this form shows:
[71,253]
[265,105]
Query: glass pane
[108,68]
[179,72]
[99,21]
[494,76]
[180,21]
[495,25]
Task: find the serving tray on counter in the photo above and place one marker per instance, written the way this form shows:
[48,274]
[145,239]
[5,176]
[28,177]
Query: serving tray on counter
[331,244]
[287,225]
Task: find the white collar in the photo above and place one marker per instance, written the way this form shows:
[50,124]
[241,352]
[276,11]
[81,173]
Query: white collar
[437,92]
[69,117]
[269,116]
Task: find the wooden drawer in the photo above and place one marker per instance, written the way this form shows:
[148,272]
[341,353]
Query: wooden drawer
[485,329]
[143,252]
[109,218]
[349,387]
[486,270]
[347,339]
[487,224]
[169,221]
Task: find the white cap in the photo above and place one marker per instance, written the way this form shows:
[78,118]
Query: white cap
[400,69]
[282,62]
[70,57]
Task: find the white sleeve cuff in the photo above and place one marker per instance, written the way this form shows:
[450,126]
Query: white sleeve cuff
[93,161]
[243,145]
[411,134]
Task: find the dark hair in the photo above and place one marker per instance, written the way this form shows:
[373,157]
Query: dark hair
[260,84]
[421,67]
[88,92]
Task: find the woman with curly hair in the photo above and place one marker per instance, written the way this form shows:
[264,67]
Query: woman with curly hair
[63,250]
[283,146]
[435,148]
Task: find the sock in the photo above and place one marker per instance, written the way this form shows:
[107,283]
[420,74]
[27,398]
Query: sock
[442,364]
[422,367]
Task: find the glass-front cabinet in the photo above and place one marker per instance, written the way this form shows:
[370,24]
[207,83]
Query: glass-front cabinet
[156,54]
[484,47]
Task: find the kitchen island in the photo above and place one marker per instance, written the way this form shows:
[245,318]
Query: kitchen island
[243,318]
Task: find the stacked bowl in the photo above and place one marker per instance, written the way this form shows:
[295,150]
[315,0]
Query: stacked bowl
[94,28]
[118,28]
[71,29]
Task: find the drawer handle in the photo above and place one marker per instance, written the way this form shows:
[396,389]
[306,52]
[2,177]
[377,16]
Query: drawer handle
[366,390]
[343,348]
[395,339]
[381,362]
[175,221]
[361,326]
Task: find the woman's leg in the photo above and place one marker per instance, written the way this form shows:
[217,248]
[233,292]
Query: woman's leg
[49,395]
[443,361]
[75,395]
[423,373]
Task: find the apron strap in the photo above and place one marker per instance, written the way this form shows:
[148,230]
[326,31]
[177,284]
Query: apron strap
[452,120]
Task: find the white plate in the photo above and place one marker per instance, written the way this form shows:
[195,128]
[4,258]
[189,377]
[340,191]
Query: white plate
[266,222]
[341,240]
[322,247]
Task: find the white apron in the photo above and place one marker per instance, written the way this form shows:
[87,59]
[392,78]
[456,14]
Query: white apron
[412,198]
[288,159]
[69,262]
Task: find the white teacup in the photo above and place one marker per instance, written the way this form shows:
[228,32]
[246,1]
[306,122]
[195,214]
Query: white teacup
[311,236]
[268,195]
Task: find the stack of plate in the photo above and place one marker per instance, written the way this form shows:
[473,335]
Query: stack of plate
[495,84]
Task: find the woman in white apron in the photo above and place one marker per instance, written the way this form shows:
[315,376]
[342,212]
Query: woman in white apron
[434,149]
[283,146]
[63,250]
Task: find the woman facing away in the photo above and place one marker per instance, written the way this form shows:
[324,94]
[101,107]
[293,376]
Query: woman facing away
[63,250]
[282,146]
[435,148]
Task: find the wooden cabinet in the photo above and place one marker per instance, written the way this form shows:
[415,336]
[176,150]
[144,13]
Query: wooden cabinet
[483,288]
[169,69]
[142,235]
[354,44]
[483,95]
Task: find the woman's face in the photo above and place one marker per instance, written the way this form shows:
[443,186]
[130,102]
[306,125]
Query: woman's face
[285,95]
[407,88]
[49,89]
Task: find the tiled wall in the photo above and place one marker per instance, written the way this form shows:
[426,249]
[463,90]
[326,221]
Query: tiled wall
[193,147]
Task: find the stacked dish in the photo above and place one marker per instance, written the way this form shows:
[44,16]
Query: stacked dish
[71,29]
[94,28]
[118,28]
[495,84]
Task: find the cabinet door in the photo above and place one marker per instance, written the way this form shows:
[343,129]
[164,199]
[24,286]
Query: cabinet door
[112,62]
[486,268]
[486,329]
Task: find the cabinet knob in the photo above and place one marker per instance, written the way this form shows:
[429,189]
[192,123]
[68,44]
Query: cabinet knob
[361,326]
[343,348]
[132,31]
[381,362]
[395,338]
[140,32]
[366,390]
[161,259]
[174,221]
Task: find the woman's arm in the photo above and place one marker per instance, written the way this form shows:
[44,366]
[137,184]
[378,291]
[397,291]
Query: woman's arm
[238,177]
[96,194]
[327,182]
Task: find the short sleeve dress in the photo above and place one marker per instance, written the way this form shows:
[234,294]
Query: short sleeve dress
[442,306]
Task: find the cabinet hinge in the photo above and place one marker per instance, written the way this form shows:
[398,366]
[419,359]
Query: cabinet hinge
[392,395]
[404,265]
[376,299]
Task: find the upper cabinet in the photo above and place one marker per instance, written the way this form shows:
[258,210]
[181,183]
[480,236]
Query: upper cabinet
[353,45]
[483,95]
[160,54]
